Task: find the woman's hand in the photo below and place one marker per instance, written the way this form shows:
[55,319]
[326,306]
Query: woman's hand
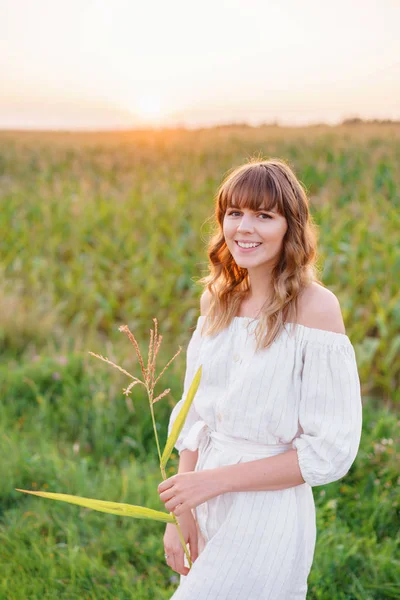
[173,546]
[184,491]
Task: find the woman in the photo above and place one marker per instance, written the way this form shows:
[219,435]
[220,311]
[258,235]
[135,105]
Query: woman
[278,410]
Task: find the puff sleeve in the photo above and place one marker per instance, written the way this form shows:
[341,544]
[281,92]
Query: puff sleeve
[192,354]
[330,410]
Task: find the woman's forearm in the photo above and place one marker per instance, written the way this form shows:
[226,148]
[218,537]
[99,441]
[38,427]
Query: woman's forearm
[272,473]
[187,461]
[186,490]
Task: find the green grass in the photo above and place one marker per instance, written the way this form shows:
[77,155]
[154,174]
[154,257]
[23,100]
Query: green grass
[99,230]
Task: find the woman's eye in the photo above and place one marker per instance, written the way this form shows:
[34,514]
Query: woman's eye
[236,212]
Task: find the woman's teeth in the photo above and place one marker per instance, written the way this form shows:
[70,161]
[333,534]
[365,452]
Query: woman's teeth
[242,245]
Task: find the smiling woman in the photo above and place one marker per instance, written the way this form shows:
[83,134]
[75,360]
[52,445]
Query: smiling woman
[274,414]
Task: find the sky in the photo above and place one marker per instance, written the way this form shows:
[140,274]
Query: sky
[106,64]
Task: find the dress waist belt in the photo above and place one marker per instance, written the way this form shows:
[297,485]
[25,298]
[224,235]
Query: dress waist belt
[200,434]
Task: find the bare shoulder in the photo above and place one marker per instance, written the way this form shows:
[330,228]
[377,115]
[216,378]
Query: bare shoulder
[319,308]
[205,301]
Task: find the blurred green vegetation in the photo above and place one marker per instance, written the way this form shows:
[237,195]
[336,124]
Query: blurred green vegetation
[100,230]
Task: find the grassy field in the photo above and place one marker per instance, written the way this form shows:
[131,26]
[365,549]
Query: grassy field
[99,230]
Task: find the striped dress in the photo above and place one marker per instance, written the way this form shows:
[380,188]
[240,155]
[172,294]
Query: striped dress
[302,392]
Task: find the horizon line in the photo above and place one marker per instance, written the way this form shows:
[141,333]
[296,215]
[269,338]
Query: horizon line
[233,124]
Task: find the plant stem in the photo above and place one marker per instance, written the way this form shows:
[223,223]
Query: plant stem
[154,427]
[182,541]
[164,476]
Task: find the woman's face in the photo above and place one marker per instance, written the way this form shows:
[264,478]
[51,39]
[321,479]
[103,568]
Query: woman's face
[266,228]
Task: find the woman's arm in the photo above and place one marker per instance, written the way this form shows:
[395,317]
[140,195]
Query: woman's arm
[187,490]
[272,473]
[187,461]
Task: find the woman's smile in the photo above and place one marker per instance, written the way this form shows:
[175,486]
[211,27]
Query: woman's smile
[247,247]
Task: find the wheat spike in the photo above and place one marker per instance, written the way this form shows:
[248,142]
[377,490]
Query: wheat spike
[116,366]
[125,329]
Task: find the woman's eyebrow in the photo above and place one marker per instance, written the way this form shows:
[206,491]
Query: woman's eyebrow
[259,209]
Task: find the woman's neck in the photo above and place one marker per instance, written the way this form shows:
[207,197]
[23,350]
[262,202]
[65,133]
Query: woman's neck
[251,307]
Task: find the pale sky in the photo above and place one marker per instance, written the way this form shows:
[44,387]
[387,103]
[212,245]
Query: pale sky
[98,64]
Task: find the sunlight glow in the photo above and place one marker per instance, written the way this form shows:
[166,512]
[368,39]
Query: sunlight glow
[127,63]
[149,110]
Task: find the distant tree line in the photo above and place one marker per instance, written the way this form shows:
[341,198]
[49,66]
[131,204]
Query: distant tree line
[349,121]
[358,121]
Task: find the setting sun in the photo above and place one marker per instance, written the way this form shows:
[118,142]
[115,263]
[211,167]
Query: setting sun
[149,110]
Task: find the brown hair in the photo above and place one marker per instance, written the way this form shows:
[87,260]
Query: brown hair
[271,184]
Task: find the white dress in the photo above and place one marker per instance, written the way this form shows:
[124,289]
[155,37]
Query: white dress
[302,392]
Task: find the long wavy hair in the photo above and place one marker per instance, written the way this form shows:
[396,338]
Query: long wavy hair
[270,184]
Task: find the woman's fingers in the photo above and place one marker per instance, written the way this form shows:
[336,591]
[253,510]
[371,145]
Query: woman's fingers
[181,565]
[172,504]
[175,561]
[170,500]
[167,495]
[172,545]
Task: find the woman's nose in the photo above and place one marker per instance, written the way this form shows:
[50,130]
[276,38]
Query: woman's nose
[246,224]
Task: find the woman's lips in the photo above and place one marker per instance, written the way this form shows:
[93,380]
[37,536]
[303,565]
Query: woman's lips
[247,250]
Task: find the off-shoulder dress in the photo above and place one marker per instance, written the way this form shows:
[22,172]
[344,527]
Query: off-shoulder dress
[302,392]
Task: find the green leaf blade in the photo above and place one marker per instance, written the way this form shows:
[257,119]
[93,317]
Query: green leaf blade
[180,419]
[113,508]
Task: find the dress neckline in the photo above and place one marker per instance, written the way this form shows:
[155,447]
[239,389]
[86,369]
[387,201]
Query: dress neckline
[305,332]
